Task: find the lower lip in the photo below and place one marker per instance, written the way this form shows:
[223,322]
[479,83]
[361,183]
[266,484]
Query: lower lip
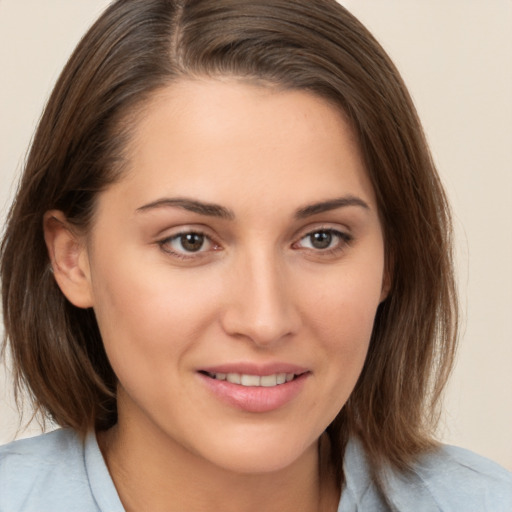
[255,398]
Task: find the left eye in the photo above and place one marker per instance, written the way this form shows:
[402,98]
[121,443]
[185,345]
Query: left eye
[191,242]
[323,239]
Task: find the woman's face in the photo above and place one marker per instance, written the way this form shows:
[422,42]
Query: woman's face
[235,271]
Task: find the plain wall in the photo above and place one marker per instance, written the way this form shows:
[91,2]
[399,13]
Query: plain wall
[456,57]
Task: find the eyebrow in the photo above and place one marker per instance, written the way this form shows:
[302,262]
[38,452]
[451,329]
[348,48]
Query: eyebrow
[215,210]
[208,209]
[330,204]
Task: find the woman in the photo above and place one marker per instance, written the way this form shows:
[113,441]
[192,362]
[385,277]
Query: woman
[227,274]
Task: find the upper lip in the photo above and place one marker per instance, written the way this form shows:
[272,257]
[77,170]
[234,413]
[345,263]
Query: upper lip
[247,368]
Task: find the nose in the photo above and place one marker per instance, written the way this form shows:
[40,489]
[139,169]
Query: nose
[260,305]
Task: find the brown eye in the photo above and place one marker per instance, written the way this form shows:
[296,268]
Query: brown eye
[324,240]
[191,242]
[187,243]
[321,239]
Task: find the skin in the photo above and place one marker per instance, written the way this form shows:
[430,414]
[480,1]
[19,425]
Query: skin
[260,289]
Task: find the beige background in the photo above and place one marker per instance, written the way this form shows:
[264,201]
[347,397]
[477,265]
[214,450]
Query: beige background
[456,56]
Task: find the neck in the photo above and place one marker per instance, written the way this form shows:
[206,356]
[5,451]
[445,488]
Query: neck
[154,473]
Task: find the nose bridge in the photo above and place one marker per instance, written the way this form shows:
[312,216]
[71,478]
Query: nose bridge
[260,306]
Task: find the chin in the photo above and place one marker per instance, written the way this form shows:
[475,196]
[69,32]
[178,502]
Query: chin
[259,456]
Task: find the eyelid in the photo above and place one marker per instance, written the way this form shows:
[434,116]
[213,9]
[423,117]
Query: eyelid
[345,239]
[164,243]
[343,230]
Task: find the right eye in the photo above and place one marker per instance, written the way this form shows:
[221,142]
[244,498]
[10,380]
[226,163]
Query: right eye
[187,243]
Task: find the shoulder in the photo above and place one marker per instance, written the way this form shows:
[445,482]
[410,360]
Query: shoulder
[448,479]
[455,479]
[46,472]
[47,445]
[457,472]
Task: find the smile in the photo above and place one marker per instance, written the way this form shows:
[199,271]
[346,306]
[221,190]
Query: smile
[266,381]
[255,389]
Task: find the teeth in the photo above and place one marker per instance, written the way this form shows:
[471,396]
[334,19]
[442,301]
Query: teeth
[267,381]
[234,378]
[250,380]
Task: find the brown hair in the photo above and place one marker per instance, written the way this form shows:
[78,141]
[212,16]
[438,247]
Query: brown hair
[139,46]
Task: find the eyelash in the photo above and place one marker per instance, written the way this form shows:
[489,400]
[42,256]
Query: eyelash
[186,255]
[344,239]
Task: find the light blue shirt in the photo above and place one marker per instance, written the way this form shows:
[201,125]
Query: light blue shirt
[56,472]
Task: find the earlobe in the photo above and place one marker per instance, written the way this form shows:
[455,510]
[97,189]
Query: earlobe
[387,279]
[386,286]
[68,258]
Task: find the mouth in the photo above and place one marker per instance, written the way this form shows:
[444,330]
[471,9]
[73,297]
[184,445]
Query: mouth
[255,390]
[248,380]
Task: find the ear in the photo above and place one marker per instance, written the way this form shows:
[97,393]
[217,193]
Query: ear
[387,278]
[69,259]
[386,285]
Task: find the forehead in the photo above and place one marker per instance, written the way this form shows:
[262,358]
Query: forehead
[230,139]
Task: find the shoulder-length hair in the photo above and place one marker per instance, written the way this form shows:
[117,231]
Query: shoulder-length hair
[139,46]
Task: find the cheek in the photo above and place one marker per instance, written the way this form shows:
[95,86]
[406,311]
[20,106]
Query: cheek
[344,305]
[341,315]
[146,316]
